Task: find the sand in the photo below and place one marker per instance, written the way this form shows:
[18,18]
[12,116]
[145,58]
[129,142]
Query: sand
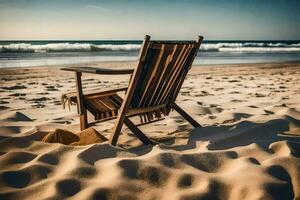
[248,148]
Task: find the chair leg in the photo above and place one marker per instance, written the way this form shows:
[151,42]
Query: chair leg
[186,116]
[117,130]
[83,121]
[80,103]
[137,131]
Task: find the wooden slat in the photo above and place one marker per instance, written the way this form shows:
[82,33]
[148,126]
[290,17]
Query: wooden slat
[137,111]
[98,107]
[107,102]
[166,77]
[117,102]
[152,76]
[145,75]
[173,42]
[162,77]
[175,82]
[98,103]
[157,86]
[91,108]
[104,93]
[144,89]
[200,38]
[168,84]
[175,72]
[159,67]
[94,70]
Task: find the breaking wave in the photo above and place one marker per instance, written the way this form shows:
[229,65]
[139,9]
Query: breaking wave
[209,46]
[66,47]
[250,47]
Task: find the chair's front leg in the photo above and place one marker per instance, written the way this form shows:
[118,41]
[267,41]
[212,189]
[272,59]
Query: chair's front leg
[80,107]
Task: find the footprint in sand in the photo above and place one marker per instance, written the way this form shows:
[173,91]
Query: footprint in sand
[51,88]
[36,100]
[15,87]
[268,112]
[4,107]
[68,187]
[185,180]
[3,102]
[17,95]
[259,95]
[16,179]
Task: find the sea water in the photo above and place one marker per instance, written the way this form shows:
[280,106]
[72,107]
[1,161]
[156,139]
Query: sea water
[38,53]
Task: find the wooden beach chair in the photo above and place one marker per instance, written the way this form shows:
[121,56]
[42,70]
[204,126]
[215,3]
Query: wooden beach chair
[152,90]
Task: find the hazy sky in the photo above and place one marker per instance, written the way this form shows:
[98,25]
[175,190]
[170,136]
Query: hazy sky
[129,19]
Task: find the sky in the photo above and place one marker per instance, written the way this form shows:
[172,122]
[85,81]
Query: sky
[162,19]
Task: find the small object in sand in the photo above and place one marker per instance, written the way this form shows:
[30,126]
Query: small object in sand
[89,136]
[61,136]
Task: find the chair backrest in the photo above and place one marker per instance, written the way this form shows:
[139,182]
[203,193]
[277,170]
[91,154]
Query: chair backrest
[162,68]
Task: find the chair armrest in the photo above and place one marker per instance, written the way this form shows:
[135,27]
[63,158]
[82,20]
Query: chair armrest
[94,70]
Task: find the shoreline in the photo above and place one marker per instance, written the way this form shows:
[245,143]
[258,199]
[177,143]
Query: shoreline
[122,63]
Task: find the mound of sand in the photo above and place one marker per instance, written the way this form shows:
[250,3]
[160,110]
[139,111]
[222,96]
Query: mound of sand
[89,136]
[61,136]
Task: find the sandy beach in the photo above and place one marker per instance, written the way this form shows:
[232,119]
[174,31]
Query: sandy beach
[248,148]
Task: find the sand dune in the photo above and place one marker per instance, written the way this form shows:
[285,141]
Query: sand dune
[248,148]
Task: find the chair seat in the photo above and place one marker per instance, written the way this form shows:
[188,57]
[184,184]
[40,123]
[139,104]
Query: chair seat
[104,107]
[102,104]
[105,104]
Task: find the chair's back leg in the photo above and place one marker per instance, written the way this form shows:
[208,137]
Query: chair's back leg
[137,131]
[80,107]
[185,115]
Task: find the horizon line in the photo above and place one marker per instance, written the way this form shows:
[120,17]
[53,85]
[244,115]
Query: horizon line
[8,40]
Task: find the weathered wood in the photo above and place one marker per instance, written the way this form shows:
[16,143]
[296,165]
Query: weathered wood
[185,115]
[162,78]
[175,94]
[80,103]
[137,111]
[94,70]
[131,88]
[137,131]
[174,41]
[173,80]
[153,75]
[104,93]
[152,91]
[150,122]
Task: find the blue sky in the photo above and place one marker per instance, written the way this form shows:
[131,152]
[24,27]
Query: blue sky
[162,19]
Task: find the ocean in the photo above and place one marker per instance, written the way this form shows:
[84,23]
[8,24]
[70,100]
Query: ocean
[37,53]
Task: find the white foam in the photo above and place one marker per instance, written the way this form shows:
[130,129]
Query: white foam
[122,47]
[259,49]
[221,46]
[26,47]
[250,47]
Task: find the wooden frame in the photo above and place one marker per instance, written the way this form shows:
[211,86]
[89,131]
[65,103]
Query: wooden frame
[125,112]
